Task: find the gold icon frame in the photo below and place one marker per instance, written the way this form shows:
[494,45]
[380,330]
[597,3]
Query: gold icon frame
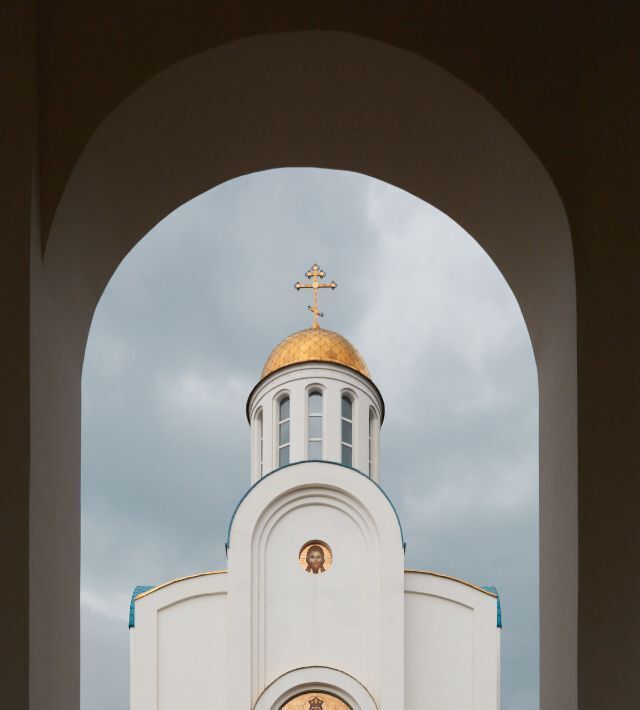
[310,565]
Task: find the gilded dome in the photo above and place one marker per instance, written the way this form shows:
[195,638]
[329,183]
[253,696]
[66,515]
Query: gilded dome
[315,344]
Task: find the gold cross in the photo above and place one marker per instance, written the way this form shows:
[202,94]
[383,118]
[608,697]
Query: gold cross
[315,273]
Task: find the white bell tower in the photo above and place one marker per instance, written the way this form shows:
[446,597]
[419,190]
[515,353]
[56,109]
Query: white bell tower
[311,406]
[315,401]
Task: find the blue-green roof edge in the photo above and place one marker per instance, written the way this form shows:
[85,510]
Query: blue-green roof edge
[132,604]
[493,590]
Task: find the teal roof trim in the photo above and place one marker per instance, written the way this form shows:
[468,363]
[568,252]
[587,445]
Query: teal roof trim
[493,590]
[296,463]
[132,605]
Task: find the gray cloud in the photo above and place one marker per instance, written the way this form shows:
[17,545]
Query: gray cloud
[179,339]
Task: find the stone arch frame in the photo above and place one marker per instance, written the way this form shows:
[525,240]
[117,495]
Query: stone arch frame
[384,112]
[318,678]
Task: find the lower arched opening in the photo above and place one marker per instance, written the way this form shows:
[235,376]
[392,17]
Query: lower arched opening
[315,688]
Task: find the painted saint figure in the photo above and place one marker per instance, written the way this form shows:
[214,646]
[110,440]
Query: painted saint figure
[315,559]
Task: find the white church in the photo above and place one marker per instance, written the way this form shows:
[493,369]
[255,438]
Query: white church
[315,610]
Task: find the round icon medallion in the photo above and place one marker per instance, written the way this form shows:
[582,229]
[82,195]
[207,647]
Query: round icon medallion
[315,557]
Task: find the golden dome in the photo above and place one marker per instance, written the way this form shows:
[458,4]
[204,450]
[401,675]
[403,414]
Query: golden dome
[315,344]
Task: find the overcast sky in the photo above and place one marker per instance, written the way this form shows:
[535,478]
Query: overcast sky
[179,339]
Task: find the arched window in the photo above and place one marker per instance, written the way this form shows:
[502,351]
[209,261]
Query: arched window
[284,434]
[260,441]
[372,434]
[347,430]
[314,425]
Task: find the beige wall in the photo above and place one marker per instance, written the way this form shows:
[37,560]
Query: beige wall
[564,78]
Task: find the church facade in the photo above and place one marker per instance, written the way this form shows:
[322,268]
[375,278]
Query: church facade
[315,610]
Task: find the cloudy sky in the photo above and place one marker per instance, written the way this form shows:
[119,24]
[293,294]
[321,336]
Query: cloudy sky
[179,339]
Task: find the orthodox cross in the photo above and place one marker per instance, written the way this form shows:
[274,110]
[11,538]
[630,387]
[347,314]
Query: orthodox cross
[315,273]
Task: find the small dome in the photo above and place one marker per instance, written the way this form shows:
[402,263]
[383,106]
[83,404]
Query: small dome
[315,344]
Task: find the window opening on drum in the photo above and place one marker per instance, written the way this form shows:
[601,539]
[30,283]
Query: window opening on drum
[314,425]
[284,431]
[347,431]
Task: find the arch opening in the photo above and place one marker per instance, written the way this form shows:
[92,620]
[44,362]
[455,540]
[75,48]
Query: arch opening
[516,215]
[321,679]
[450,402]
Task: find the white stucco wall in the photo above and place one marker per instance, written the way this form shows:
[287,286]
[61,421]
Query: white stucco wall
[179,646]
[452,645]
[297,381]
[350,617]
[374,634]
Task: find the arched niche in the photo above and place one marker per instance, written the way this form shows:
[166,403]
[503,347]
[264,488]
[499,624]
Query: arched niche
[319,99]
[315,678]
[355,521]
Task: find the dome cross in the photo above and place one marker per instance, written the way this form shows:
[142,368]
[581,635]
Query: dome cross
[315,273]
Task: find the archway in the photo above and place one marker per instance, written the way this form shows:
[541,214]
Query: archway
[317,679]
[254,104]
[178,341]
